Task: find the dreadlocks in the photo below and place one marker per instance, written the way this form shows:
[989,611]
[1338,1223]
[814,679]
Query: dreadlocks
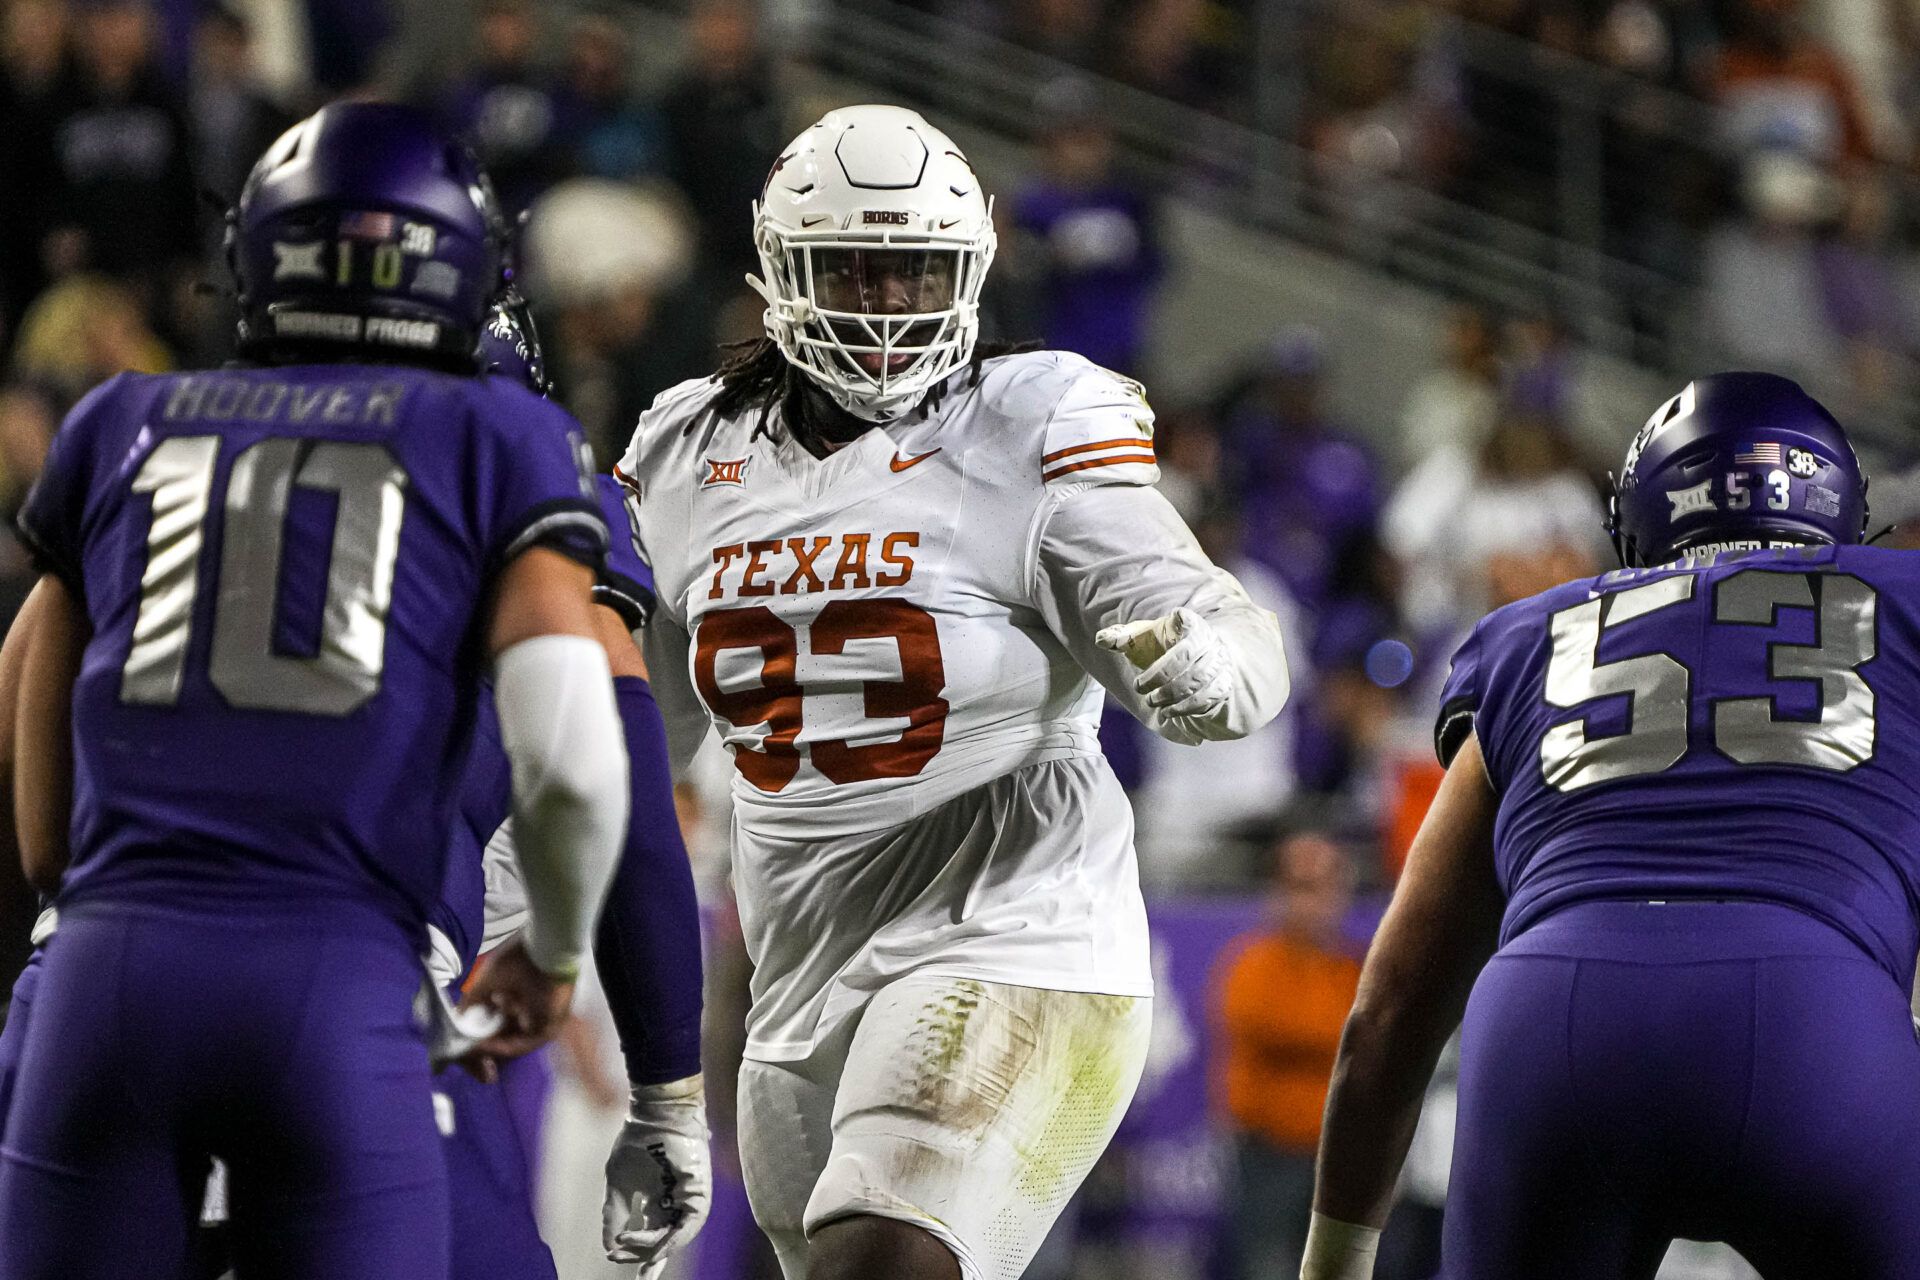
[753,373]
[756,375]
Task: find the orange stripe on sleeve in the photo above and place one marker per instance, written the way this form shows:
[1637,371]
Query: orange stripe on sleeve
[1114,461]
[1135,441]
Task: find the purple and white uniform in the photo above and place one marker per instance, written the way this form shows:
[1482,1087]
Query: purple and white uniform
[286,573]
[1709,837]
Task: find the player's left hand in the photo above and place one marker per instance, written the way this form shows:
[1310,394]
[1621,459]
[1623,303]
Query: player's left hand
[659,1177]
[1184,676]
[531,1003]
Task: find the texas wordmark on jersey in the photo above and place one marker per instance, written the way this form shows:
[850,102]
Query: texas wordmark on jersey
[867,641]
[870,639]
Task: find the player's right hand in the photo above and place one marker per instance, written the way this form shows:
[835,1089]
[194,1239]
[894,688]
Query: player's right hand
[1142,643]
[532,1005]
[1185,673]
[659,1177]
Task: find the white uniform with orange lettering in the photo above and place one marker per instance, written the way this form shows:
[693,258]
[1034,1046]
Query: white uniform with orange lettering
[934,863]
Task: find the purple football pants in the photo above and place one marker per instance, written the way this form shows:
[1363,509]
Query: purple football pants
[1633,1072]
[284,1044]
[489,1166]
[13,1036]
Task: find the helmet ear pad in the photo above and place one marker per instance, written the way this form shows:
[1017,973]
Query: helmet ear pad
[869,183]
[364,231]
[1742,458]
[510,344]
[1623,548]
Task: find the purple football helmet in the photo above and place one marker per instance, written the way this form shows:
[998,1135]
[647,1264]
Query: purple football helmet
[510,345]
[364,232]
[1742,458]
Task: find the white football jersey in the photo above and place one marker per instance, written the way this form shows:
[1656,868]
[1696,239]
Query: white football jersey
[866,635]
[879,633]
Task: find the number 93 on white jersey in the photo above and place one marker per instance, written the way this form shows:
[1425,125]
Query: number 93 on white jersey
[868,637]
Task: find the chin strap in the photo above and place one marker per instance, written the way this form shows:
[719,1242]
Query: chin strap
[762,288]
[792,312]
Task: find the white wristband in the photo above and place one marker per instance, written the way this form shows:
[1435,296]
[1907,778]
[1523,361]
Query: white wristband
[694,1087]
[1339,1250]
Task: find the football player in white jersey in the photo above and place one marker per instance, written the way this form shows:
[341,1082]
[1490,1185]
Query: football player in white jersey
[890,575]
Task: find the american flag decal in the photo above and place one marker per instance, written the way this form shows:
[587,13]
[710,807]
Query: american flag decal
[1758,455]
[365,225]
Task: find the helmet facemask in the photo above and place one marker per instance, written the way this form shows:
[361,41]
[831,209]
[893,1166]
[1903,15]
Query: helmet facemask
[875,319]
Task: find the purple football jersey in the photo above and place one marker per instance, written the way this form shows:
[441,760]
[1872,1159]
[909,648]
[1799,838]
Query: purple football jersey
[626,582]
[1740,726]
[625,585]
[286,571]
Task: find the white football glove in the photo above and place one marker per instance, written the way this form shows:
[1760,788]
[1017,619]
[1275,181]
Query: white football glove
[659,1177]
[1184,671]
[452,1033]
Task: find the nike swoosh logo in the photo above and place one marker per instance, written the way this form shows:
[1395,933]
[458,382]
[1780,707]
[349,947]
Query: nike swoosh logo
[815,220]
[954,223]
[899,463]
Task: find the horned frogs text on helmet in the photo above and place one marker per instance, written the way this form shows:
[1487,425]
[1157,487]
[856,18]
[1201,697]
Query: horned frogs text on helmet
[1743,458]
[874,238]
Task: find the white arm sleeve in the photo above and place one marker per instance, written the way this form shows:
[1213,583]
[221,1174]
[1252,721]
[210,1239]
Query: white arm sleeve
[1118,553]
[664,645]
[561,731]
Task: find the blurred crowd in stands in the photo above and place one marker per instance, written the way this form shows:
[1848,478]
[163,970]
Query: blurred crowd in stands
[129,124]
[132,123]
[1759,156]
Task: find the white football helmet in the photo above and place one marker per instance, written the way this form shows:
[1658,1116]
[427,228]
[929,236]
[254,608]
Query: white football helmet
[874,239]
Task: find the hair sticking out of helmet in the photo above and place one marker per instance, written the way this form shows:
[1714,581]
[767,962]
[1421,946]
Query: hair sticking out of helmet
[1736,461]
[874,240]
[510,344]
[366,233]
